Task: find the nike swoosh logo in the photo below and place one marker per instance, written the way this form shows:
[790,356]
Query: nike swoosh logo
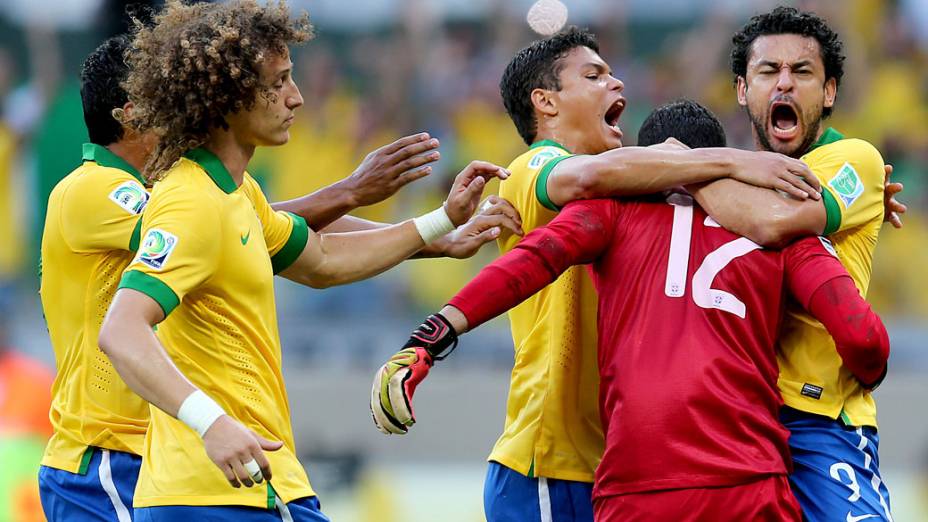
[245,237]
[852,518]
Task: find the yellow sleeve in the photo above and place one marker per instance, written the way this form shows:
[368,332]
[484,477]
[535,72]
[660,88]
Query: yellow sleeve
[179,248]
[102,211]
[285,233]
[851,173]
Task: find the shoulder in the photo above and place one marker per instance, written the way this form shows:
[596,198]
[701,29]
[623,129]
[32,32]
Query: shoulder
[535,158]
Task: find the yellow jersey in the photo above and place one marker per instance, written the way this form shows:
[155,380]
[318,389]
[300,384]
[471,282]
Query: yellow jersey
[91,233]
[553,426]
[812,377]
[208,256]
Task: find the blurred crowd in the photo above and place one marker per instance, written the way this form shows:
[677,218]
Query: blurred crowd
[386,68]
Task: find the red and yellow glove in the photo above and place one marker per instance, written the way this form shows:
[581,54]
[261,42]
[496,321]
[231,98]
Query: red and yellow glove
[396,381]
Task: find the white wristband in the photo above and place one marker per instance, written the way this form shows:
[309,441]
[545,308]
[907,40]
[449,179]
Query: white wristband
[199,412]
[433,225]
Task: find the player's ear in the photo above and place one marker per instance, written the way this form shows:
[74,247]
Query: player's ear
[742,88]
[831,92]
[543,101]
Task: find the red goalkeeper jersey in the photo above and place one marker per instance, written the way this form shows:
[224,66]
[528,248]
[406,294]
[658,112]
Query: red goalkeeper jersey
[688,316]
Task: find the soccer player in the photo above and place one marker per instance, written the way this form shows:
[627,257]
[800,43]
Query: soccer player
[688,320]
[210,246]
[91,462]
[788,66]
[566,105]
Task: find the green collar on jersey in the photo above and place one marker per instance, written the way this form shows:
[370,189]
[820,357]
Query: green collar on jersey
[547,143]
[105,158]
[829,136]
[214,167]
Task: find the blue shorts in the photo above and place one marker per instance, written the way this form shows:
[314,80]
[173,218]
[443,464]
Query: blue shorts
[101,491]
[509,496]
[300,510]
[836,469]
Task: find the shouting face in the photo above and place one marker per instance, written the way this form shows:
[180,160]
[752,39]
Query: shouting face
[785,92]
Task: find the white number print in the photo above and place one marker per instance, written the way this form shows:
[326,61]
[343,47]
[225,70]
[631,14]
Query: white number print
[677,262]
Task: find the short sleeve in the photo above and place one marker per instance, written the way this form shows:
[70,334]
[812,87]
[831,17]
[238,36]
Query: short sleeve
[102,211]
[285,233]
[851,173]
[179,250]
[810,263]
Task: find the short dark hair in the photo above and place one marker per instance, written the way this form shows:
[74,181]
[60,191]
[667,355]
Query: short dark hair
[537,67]
[685,120]
[102,75]
[789,20]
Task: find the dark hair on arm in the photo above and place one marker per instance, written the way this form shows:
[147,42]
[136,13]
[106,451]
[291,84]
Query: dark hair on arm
[537,67]
[685,120]
[198,63]
[789,20]
[102,74]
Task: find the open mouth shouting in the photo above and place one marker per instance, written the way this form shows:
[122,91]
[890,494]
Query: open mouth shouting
[784,121]
[612,115]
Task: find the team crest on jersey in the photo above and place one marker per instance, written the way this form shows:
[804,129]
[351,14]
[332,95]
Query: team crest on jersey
[828,245]
[156,248]
[847,184]
[541,157]
[130,196]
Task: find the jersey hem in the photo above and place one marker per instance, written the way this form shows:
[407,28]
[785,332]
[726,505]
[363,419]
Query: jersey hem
[689,482]
[256,500]
[832,413]
[576,476]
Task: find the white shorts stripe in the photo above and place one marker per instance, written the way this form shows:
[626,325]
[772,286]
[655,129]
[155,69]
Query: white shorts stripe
[284,511]
[106,480]
[544,500]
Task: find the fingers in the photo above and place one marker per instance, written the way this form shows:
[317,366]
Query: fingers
[888,171]
[406,141]
[384,421]
[803,171]
[230,476]
[496,205]
[482,169]
[397,167]
[413,175]
[254,471]
[243,476]
[789,188]
[894,220]
[803,185]
[402,408]
[485,222]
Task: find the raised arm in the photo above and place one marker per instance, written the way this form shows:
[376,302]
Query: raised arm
[822,285]
[341,258]
[577,235]
[382,173]
[631,171]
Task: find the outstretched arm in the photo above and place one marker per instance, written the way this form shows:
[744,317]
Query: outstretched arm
[382,173]
[630,171]
[577,235]
[341,258]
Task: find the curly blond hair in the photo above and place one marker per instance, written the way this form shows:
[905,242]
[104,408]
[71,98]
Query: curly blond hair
[197,63]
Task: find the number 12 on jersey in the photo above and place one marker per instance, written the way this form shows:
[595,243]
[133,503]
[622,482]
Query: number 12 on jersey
[678,261]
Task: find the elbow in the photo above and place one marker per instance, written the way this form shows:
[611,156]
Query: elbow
[769,233]
[107,339]
[584,186]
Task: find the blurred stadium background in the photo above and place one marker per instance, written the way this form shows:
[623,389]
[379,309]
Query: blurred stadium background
[380,69]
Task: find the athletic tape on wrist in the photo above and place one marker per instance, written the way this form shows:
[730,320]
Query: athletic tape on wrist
[433,225]
[199,412]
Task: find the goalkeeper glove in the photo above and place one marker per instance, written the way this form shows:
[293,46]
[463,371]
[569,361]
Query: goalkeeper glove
[396,381]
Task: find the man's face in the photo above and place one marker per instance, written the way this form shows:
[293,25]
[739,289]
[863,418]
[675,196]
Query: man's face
[590,101]
[785,92]
[268,122]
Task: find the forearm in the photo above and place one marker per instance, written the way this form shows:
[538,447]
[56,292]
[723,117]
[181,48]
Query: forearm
[631,171]
[764,216]
[323,207]
[342,258]
[143,364]
[355,224]
[860,337]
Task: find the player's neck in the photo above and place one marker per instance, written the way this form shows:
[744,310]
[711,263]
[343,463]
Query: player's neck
[233,154]
[570,139]
[132,151]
